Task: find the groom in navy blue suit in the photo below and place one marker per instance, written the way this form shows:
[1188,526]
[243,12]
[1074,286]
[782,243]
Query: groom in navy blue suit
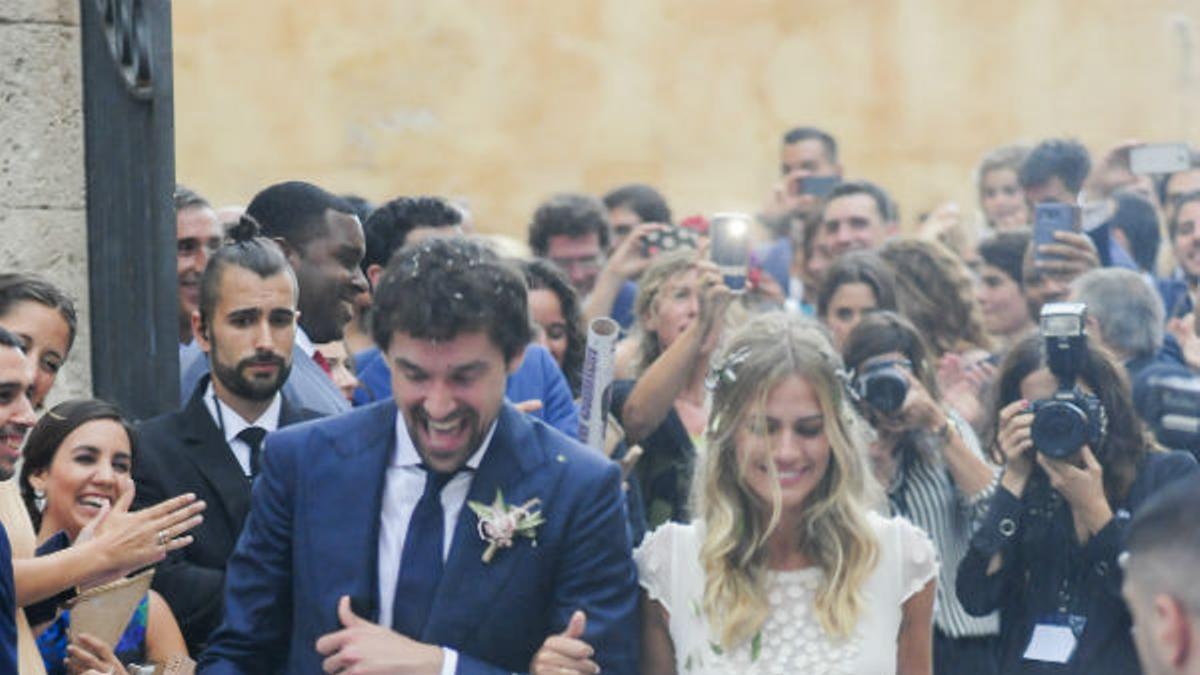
[364,547]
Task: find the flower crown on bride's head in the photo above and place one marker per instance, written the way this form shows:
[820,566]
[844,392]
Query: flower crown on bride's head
[725,372]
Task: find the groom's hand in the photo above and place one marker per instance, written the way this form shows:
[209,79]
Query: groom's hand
[365,648]
[566,652]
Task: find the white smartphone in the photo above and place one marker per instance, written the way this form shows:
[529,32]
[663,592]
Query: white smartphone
[1159,158]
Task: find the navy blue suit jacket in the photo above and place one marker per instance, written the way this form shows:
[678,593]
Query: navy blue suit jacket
[312,536]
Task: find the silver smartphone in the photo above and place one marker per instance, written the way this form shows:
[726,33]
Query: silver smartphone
[1159,158]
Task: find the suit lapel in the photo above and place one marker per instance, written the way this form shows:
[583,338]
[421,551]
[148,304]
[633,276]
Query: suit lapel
[206,449]
[359,468]
[509,465]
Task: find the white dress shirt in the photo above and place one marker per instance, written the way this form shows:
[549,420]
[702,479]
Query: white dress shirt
[231,424]
[403,487]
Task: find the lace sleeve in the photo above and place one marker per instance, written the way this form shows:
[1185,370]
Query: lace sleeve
[918,559]
[654,560]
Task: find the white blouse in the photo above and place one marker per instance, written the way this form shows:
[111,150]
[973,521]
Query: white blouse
[792,639]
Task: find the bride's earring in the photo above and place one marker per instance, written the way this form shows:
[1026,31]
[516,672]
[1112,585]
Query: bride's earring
[39,500]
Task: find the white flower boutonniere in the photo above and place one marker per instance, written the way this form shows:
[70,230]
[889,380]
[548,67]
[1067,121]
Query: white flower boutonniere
[500,524]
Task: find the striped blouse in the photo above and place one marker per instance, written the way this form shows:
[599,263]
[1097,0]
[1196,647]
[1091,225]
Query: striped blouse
[923,491]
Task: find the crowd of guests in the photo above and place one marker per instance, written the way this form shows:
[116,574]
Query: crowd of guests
[849,463]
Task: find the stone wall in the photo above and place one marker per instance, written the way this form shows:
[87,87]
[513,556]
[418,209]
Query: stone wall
[506,101]
[43,226]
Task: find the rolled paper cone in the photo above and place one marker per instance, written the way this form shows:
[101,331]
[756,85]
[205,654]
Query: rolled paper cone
[104,612]
[597,380]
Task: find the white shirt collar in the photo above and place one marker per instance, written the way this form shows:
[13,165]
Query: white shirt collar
[233,422]
[406,452]
[304,342]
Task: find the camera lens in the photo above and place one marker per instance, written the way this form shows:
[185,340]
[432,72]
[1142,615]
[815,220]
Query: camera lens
[885,390]
[1059,429]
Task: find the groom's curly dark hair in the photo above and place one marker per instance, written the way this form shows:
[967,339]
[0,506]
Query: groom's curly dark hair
[442,287]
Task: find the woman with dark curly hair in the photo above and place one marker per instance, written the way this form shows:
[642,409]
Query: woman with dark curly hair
[1045,554]
[556,317]
[934,291]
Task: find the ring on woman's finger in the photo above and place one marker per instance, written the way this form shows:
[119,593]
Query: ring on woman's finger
[163,538]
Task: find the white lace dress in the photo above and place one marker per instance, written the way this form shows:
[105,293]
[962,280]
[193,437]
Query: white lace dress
[792,640]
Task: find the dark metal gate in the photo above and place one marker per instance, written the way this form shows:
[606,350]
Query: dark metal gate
[129,139]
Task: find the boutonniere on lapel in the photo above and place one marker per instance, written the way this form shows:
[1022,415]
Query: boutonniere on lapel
[500,524]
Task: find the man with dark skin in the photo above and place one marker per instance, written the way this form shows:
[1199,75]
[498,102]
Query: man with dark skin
[323,242]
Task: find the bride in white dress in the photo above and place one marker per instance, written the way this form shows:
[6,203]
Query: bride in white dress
[786,570]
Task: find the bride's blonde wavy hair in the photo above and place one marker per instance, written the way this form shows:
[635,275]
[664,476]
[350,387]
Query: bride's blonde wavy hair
[835,534]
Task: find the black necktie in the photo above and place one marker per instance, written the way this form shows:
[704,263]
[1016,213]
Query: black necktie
[421,561]
[253,437]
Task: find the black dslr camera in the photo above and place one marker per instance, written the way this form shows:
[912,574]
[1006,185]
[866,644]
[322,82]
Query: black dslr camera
[1174,411]
[882,386]
[1065,422]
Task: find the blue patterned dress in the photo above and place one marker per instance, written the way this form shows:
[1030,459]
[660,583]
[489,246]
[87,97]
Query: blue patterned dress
[131,648]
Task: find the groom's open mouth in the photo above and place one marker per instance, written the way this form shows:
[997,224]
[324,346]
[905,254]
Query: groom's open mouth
[447,435]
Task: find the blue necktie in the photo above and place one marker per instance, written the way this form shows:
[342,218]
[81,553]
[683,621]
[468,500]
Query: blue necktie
[421,561]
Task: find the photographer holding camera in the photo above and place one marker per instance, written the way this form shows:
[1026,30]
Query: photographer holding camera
[930,461]
[1077,464]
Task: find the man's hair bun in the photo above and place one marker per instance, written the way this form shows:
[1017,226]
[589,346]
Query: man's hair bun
[247,228]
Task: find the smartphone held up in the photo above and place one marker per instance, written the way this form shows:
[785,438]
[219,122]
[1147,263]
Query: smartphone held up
[730,248]
[1159,158]
[1049,218]
[816,186]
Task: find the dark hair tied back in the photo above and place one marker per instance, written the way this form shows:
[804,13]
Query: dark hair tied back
[244,230]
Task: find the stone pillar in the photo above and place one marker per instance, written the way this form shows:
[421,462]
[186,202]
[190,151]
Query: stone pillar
[43,225]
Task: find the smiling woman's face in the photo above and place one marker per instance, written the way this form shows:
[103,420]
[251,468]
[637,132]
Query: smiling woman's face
[47,339]
[90,468]
[786,445]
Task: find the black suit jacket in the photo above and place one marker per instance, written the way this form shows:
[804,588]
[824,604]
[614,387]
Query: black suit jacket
[183,452]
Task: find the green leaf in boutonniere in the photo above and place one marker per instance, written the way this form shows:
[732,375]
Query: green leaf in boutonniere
[756,646]
[501,523]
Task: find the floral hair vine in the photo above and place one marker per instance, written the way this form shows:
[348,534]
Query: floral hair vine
[725,373]
[846,378]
